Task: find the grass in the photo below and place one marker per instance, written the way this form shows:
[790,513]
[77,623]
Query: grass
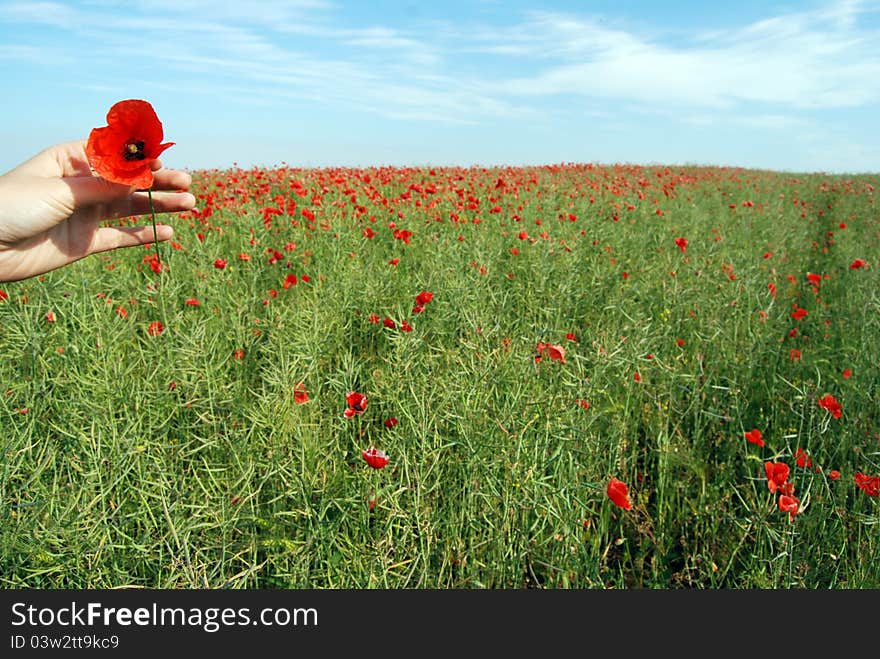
[182,460]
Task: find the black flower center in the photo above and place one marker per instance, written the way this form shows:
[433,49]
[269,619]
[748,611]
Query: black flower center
[134,150]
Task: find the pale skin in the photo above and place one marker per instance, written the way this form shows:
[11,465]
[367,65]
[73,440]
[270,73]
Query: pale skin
[52,208]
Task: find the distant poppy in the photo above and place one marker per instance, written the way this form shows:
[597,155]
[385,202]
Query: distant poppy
[777,475]
[847,373]
[830,403]
[155,328]
[858,263]
[618,492]
[834,474]
[870,485]
[238,353]
[300,395]
[682,243]
[798,313]
[355,402]
[789,504]
[375,458]
[390,422]
[423,298]
[192,302]
[554,352]
[802,459]
[3,295]
[754,437]
[50,317]
[124,150]
[220,264]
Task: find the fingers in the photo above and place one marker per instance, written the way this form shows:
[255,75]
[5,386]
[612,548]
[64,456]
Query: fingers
[171,179]
[118,200]
[163,202]
[108,238]
[90,190]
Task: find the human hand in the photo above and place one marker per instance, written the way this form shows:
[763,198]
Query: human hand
[52,208]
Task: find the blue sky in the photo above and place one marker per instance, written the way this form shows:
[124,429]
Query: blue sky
[774,85]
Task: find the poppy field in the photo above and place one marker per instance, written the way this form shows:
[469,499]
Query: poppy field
[561,376]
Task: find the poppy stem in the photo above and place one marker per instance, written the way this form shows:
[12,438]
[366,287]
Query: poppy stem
[155,233]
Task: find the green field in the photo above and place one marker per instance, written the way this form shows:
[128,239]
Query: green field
[216,453]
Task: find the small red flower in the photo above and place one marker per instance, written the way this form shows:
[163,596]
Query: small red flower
[300,395]
[3,295]
[50,317]
[124,150]
[834,474]
[155,328]
[754,437]
[830,403]
[390,422]
[870,485]
[220,264]
[802,459]
[858,263]
[798,313]
[192,302]
[388,323]
[423,298]
[375,458]
[789,504]
[554,352]
[238,353]
[777,475]
[618,492]
[847,373]
[682,244]
[289,280]
[355,402]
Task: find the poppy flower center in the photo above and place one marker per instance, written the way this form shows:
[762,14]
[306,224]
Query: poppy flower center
[134,150]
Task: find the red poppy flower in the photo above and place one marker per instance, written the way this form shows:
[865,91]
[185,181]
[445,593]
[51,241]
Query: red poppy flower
[423,298]
[754,437]
[802,459]
[798,313]
[830,403]
[4,296]
[556,352]
[290,280]
[356,403]
[870,485]
[155,328]
[50,317]
[192,302]
[390,422]
[618,492]
[682,244]
[834,474]
[847,373]
[375,458]
[220,264]
[300,395]
[789,504]
[777,475]
[238,353]
[858,263]
[123,151]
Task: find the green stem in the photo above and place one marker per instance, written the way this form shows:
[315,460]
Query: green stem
[155,233]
